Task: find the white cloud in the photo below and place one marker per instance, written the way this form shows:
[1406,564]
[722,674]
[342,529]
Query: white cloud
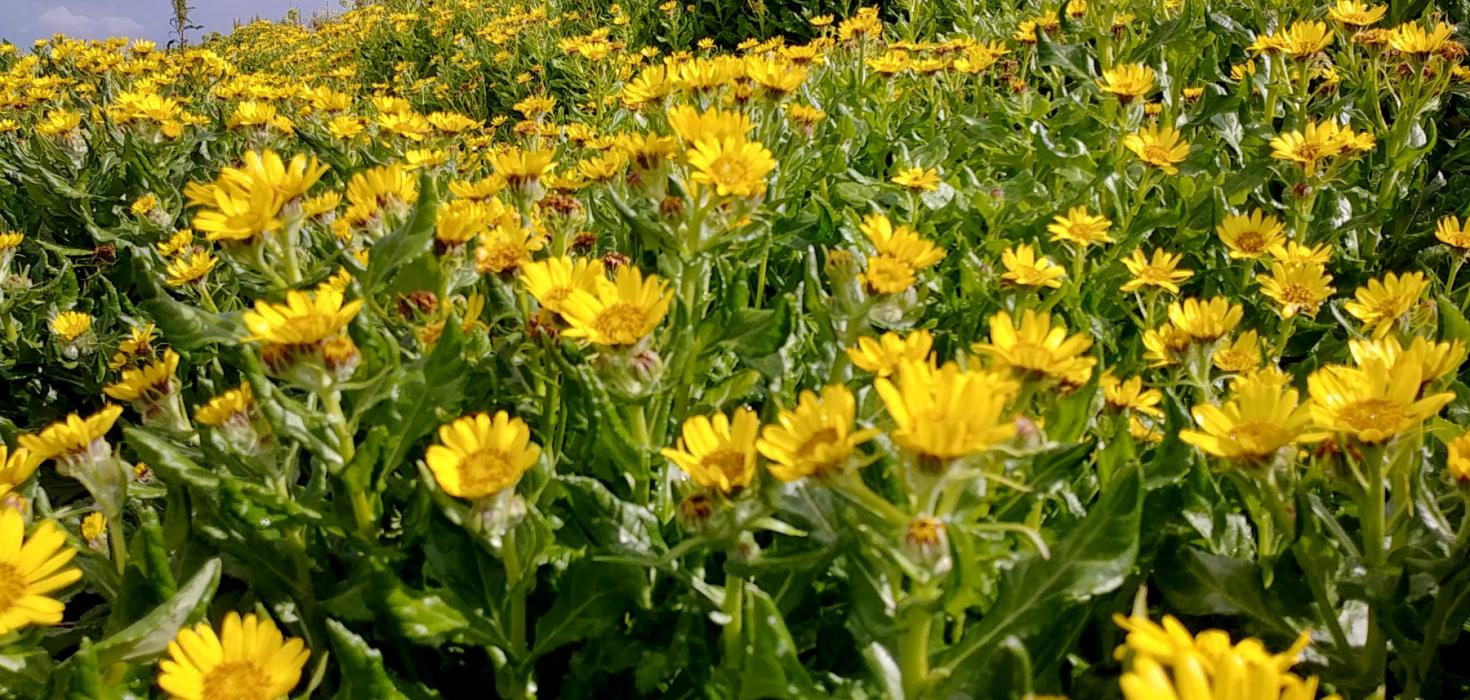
[62,20]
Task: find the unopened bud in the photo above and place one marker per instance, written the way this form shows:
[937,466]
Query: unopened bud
[927,545]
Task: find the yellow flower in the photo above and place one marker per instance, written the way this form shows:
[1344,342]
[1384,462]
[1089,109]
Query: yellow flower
[1372,403]
[262,114]
[479,456]
[247,201]
[1299,288]
[947,413]
[804,115]
[520,167]
[1241,355]
[1142,431]
[1162,345]
[616,313]
[1168,663]
[460,221]
[1128,81]
[1457,461]
[1380,303]
[177,243]
[1159,146]
[1258,420]
[918,179]
[146,382]
[306,318]
[733,166]
[145,204]
[1080,227]
[478,190]
[1130,394]
[1410,38]
[59,123]
[10,240]
[1355,13]
[1305,38]
[230,405]
[70,325]
[1025,269]
[815,438]
[189,268]
[15,467]
[1318,142]
[94,528]
[1205,320]
[1293,252]
[882,356]
[1450,232]
[504,248]
[716,451]
[552,280]
[70,435]
[1161,271]
[779,77]
[249,658]
[693,125]
[1037,347]
[1250,236]
[30,569]
[1434,360]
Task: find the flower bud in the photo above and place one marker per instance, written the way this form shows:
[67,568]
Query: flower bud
[927,545]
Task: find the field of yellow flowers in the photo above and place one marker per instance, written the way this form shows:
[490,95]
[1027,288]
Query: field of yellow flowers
[952,349]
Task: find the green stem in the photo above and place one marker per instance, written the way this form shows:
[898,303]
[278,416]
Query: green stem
[1444,602]
[513,574]
[913,652]
[117,535]
[1375,556]
[733,606]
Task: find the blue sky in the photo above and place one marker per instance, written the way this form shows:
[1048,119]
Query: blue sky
[23,21]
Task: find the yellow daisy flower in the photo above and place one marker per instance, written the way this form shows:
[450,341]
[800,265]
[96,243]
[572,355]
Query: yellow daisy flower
[234,404]
[71,435]
[1298,288]
[1161,271]
[1372,403]
[1038,347]
[186,269]
[1079,227]
[248,658]
[147,382]
[1159,146]
[1381,302]
[479,456]
[70,325]
[717,451]
[1355,13]
[1242,354]
[1205,320]
[883,355]
[946,413]
[1251,236]
[31,568]
[617,313]
[1025,269]
[1258,420]
[1452,233]
[814,438]
[552,280]
[305,319]
[1457,461]
[1129,394]
[917,179]
[1128,81]
[733,166]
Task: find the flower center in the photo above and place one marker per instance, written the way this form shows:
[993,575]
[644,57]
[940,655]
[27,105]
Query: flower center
[728,170]
[235,680]
[1299,294]
[499,258]
[1251,242]
[485,470]
[1154,274]
[621,324]
[12,587]
[731,463]
[819,444]
[1155,153]
[887,276]
[1371,414]
[1257,438]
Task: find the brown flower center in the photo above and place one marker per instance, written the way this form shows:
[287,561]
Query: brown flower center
[621,323]
[12,586]
[1373,414]
[235,680]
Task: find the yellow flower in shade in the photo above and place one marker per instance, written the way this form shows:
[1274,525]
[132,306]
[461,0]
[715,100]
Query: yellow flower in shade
[1410,38]
[306,318]
[1355,13]
[733,166]
[1025,269]
[138,342]
[145,204]
[815,438]
[520,167]
[147,382]
[70,325]
[947,413]
[617,313]
[1450,232]
[1079,227]
[1142,431]
[177,243]
[1380,303]
[94,528]
[693,125]
[31,568]
[249,659]
[15,467]
[1372,403]
[1293,252]
[718,451]
[459,221]
[779,77]
[1129,394]
[1318,142]
[1159,146]
[193,267]
[231,405]
[917,179]
[1305,39]
[552,280]
[506,248]
[1250,236]
[1434,360]
[1242,354]
[1258,420]
[1168,663]
[902,253]
[1457,458]
[1038,347]
[1162,345]
[1161,271]
[10,240]
[1128,81]
[1205,320]
[71,435]
[1297,288]
[883,355]
[262,114]
[479,456]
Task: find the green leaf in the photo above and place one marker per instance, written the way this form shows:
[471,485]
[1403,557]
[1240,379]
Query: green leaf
[80,677]
[189,328]
[1093,559]
[1199,583]
[361,666]
[591,601]
[150,635]
[1072,59]
[413,239]
[768,666]
[25,673]
[148,581]
[1452,321]
[423,395]
[420,617]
